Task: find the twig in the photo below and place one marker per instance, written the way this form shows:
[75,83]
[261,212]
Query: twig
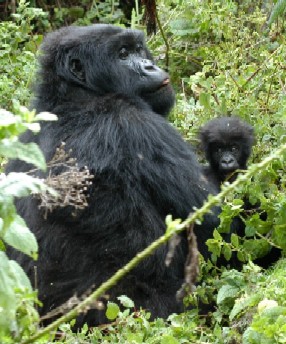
[260,67]
[164,37]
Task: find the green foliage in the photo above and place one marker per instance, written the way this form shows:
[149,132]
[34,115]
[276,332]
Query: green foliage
[278,11]
[17,54]
[136,327]
[259,312]
[273,332]
[18,317]
[223,60]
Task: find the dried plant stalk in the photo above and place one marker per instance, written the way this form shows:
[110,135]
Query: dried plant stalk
[71,185]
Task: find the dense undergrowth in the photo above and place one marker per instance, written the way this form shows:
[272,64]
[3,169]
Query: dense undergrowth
[225,58]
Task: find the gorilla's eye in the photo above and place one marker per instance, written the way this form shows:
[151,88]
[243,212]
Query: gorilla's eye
[139,48]
[234,149]
[123,53]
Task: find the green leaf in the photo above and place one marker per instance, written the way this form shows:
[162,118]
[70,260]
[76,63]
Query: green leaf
[20,237]
[166,339]
[241,256]
[20,277]
[12,280]
[227,253]
[8,301]
[29,152]
[45,116]
[20,185]
[227,292]
[241,305]
[135,337]
[126,301]
[217,236]
[7,118]
[234,240]
[214,247]
[112,311]
[205,100]
[256,247]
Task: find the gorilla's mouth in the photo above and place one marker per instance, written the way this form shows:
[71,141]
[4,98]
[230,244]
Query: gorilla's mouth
[164,83]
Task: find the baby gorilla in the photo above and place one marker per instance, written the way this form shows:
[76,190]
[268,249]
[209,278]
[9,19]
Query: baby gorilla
[227,144]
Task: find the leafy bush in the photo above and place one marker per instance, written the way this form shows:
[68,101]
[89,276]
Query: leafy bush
[17,53]
[18,317]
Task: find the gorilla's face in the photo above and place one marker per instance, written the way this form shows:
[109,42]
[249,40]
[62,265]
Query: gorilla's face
[109,59]
[227,143]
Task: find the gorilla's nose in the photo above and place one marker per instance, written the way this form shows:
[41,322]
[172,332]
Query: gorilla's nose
[228,161]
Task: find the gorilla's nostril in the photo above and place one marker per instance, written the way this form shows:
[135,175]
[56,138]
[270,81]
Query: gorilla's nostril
[149,67]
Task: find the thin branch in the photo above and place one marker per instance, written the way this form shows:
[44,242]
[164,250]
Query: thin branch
[260,67]
[164,37]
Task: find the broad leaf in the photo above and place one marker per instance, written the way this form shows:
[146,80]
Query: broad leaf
[20,237]
[125,301]
[29,152]
[112,310]
[19,185]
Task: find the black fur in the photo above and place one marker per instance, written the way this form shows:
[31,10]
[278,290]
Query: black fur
[227,144]
[224,133]
[111,105]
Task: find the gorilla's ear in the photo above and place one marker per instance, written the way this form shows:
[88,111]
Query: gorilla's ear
[77,69]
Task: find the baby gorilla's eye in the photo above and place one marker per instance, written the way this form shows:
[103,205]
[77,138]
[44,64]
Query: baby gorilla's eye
[139,48]
[123,53]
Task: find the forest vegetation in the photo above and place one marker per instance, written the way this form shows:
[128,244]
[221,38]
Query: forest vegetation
[225,58]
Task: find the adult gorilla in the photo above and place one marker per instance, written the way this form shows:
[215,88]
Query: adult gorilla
[111,100]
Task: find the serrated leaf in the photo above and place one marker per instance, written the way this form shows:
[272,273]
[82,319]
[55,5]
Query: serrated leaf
[112,310]
[227,253]
[20,237]
[256,247]
[241,256]
[29,152]
[214,247]
[234,240]
[242,305]
[217,236]
[126,301]
[226,292]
